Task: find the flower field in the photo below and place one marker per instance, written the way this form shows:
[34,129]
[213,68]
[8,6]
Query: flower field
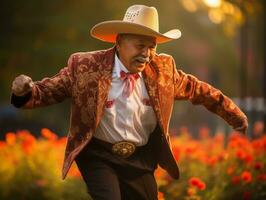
[212,168]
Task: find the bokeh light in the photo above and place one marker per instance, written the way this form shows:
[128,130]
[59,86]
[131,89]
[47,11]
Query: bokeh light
[216,16]
[212,3]
[189,5]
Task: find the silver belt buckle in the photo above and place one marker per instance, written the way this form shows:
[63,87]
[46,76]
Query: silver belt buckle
[123,149]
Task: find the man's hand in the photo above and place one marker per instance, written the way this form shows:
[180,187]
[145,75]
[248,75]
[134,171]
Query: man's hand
[22,85]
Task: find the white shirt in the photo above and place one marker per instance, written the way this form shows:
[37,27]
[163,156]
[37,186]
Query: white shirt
[126,118]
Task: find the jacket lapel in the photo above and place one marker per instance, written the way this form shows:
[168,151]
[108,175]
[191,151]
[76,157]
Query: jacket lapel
[150,76]
[104,83]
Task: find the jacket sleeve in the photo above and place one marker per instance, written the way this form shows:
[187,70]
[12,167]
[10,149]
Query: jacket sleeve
[201,93]
[49,90]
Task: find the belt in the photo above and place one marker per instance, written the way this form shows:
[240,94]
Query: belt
[123,149]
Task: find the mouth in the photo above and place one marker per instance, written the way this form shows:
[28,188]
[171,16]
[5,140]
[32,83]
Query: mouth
[142,60]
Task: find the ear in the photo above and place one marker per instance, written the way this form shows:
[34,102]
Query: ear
[117,46]
[117,42]
[118,39]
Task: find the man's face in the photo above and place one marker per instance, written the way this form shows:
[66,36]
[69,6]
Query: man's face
[135,51]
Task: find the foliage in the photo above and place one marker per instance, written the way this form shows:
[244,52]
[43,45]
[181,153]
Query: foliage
[210,168]
[31,169]
[39,36]
[213,170]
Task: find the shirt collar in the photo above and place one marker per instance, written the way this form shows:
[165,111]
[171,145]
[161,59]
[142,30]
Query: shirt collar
[118,67]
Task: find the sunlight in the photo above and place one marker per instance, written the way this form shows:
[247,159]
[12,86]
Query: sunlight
[212,3]
[189,5]
[216,16]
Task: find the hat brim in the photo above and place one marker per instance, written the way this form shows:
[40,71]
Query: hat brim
[108,30]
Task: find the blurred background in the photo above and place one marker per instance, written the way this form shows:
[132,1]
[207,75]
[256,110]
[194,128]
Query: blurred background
[222,43]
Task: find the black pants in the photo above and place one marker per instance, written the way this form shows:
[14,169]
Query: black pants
[110,177]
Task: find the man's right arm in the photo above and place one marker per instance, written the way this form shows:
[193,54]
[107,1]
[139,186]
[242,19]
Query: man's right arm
[21,90]
[29,94]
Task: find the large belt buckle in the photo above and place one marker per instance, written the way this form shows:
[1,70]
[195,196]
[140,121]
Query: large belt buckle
[123,149]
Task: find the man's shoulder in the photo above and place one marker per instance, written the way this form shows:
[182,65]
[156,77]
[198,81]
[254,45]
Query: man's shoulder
[163,57]
[91,55]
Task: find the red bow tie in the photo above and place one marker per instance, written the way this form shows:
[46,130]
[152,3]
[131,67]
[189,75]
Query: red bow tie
[129,82]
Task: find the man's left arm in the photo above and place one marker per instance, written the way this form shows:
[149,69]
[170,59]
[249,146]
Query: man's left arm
[201,93]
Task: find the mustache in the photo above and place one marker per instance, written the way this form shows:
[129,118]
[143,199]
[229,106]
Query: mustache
[142,59]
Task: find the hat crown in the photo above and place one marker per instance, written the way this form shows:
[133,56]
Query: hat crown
[143,15]
[139,20]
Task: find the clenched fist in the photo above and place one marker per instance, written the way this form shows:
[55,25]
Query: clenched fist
[22,85]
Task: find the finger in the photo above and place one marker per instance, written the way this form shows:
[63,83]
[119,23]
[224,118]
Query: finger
[28,85]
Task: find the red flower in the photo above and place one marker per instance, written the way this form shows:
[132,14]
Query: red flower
[10,138]
[212,160]
[176,152]
[246,177]
[222,156]
[2,144]
[194,181]
[202,186]
[160,195]
[74,172]
[27,146]
[248,158]
[62,141]
[46,133]
[160,173]
[258,165]
[27,141]
[240,154]
[191,191]
[261,177]
[235,180]
[230,170]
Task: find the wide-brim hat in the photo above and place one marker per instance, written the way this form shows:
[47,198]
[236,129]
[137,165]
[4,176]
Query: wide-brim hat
[138,19]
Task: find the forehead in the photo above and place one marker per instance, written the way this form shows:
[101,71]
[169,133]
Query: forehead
[144,39]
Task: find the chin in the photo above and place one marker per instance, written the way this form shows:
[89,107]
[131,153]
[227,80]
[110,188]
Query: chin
[137,68]
[140,68]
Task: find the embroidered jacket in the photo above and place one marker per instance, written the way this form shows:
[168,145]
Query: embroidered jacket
[87,80]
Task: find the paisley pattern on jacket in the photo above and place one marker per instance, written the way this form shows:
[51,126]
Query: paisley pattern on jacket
[87,80]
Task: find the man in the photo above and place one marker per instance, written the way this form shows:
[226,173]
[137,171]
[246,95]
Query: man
[122,99]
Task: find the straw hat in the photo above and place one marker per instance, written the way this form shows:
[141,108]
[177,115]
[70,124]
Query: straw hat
[138,19]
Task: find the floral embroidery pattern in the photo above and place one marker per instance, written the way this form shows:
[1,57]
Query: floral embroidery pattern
[110,103]
[146,102]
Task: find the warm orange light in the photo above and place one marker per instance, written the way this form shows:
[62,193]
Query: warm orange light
[216,16]
[189,5]
[228,8]
[212,3]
